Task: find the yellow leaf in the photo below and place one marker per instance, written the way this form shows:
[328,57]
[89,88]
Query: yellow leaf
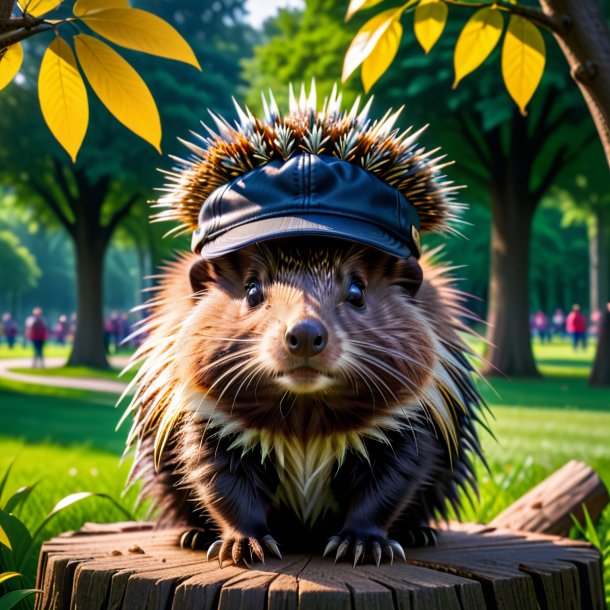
[367,38]
[523,58]
[10,63]
[6,575]
[82,7]
[39,7]
[429,22]
[4,539]
[382,55]
[63,96]
[141,31]
[476,42]
[359,5]
[120,88]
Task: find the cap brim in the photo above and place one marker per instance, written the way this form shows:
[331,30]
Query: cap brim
[310,225]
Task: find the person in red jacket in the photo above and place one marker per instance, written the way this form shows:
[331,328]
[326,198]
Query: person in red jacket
[37,332]
[576,326]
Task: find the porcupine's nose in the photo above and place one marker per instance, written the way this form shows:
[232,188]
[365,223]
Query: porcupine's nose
[306,338]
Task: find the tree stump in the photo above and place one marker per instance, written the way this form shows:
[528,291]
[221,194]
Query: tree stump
[131,566]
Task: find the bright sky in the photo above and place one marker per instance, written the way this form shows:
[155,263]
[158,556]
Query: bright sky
[259,10]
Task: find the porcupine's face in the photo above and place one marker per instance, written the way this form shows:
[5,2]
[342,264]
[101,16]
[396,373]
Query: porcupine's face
[307,321]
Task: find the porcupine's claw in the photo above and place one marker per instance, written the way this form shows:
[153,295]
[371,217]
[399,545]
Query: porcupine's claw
[234,550]
[214,550]
[332,545]
[418,535]
[376,551]
[272,546]
[363,548]
[195,539]
[358,551]
[396,549]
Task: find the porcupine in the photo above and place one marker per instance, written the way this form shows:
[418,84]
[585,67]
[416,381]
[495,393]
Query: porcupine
[304,384]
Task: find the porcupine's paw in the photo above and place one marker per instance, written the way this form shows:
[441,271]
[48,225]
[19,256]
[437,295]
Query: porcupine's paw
[242,550]
[419,535]
[195,539]
[361,548]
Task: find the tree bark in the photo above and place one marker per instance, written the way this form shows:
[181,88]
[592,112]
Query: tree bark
[88,348]
[510,349]
[513,202]
[600,373]
[584,38]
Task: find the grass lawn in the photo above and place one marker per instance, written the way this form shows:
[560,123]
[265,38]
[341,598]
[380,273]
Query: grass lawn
[80,372]
[25,351]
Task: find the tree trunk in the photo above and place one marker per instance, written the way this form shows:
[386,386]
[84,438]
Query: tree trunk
[510,350]
[599,266]
[600,374]
[584,38]
[89,348]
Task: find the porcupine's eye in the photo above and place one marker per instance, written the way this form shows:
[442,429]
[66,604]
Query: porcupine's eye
[254,293]
[355,293]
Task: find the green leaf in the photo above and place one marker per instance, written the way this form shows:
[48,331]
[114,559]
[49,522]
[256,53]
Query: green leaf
[19,497]
[7,472]
[61,506]
[10,600]
[20,540]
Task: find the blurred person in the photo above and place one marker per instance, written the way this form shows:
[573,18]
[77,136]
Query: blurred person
[541,326]
[11,329]
[37,332]
[114,330]
[559,322]
[595,318]
[122,329]
[576,327]
[61,330]
[108,334]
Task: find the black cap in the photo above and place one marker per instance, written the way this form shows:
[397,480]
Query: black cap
[308,194]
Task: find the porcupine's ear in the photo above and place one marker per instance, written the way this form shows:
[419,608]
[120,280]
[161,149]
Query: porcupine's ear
[202,272]
[407,273]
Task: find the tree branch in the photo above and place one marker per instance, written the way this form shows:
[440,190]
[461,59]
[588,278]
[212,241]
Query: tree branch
[6,9]
[63,182]
[558,162]
[10,38]
[472,139]
[48,197]
[532,14]
[120,215]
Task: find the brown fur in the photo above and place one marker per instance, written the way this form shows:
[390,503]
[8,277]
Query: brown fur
[213,369]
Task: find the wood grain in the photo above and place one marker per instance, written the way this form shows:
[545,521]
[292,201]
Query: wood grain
[130,566]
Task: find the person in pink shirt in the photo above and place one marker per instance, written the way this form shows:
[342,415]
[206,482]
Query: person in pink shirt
[576,327]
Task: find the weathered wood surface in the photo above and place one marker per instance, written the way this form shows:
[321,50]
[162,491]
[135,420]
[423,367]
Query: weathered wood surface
[547,507]
[474,567]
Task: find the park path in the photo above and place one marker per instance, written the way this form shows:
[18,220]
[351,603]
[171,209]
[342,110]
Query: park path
[76,383]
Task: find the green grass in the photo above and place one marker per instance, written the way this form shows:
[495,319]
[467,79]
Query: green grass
[21,351]
[79,372]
